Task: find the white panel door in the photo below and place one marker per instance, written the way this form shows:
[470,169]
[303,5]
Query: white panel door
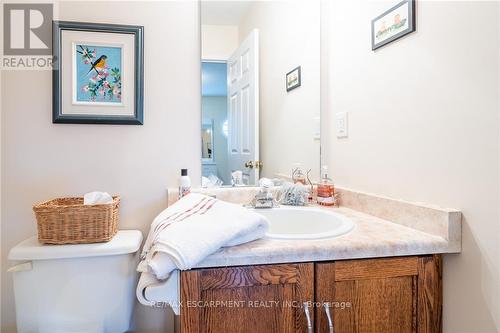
[243,106]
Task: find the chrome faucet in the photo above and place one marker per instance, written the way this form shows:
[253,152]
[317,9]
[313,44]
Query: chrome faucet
[264,198]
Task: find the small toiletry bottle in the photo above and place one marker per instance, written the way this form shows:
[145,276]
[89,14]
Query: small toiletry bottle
[325,189]
[298,175]
[184,183]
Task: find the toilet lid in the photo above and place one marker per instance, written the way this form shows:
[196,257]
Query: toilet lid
[125,241]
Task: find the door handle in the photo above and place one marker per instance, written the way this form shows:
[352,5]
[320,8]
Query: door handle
[326,306]
[258,164]
[308,317]
[249,164]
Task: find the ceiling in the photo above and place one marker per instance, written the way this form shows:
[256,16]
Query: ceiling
[223,12]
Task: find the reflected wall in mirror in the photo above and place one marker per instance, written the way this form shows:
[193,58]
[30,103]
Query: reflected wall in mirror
[259,128]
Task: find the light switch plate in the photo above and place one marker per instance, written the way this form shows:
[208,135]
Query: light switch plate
[341,124]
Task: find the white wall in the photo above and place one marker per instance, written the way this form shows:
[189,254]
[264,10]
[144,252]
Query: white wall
[289,37]
[218,41]
[1,179]
[41,160]
[424,126]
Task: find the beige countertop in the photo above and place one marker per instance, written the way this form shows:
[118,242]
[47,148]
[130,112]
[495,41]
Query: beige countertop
[384,227]
[371,237]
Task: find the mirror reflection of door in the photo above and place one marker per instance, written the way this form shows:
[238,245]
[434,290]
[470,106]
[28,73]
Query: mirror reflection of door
[260,127]
[243,106]
[231,78]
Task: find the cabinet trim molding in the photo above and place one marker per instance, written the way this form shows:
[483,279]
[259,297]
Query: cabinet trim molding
[375,268]
[246,276]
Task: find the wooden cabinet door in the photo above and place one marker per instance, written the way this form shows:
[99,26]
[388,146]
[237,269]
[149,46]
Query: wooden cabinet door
[265,298]
[380,295]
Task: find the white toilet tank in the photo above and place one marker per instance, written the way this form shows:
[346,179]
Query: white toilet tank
[85,288]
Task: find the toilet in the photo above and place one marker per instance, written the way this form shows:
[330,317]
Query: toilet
[84,288]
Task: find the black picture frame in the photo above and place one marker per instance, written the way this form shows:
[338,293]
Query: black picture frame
[411,24]
[138,31]
[296,85]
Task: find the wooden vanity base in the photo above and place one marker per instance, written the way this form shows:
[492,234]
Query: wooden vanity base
[400,294]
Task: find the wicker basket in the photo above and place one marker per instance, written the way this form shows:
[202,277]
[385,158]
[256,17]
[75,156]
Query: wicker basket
[69,221]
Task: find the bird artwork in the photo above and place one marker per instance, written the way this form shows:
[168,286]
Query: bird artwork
[98,74]
[99,64]
[87,55]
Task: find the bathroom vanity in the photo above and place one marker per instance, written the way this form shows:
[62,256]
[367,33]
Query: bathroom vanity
[384,275]
[373,266]
[399,294]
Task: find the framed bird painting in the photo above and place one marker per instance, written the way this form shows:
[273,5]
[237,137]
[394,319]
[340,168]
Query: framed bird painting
[98,73]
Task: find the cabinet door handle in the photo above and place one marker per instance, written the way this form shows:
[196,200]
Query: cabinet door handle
[326,306]
[308,317]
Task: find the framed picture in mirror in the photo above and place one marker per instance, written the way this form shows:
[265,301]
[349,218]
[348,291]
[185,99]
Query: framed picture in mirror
[293,79]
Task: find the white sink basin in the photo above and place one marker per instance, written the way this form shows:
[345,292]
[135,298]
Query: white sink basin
[304,223]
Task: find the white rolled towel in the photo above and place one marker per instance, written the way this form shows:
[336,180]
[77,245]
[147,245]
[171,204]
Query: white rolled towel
[159,293]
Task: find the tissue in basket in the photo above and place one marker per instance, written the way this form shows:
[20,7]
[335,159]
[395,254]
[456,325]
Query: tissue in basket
[69,221]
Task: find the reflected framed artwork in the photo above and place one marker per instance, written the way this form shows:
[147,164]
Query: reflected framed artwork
[293,79]
[98,76]
[393,24]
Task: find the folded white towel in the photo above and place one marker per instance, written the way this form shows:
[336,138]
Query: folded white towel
[95,198]
[192,229]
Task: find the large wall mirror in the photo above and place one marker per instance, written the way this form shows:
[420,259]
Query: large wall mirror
[260,90]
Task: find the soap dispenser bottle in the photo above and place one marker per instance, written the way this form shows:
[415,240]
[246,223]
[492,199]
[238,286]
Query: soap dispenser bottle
[184,183]
[326,189]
